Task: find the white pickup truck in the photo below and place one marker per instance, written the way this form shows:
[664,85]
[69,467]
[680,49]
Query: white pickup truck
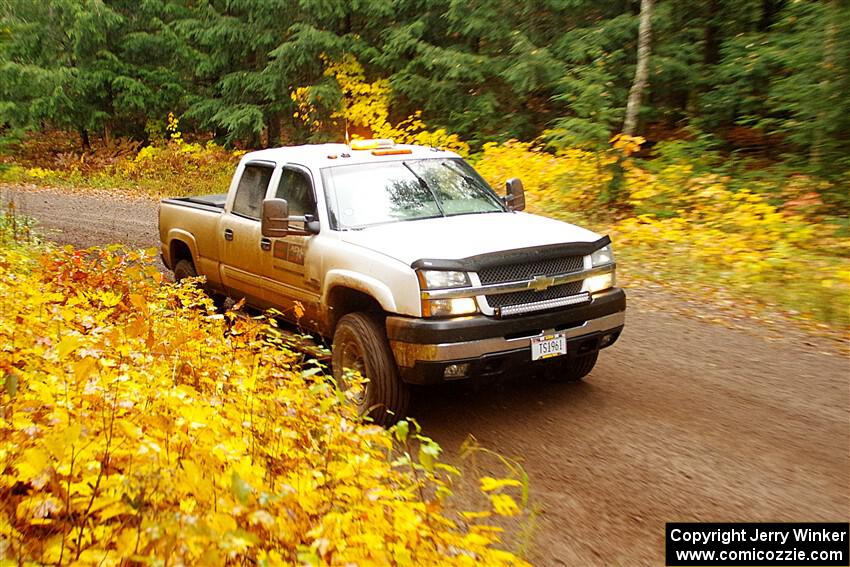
[406,260]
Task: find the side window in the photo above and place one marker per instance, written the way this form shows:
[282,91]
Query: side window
[295,186]
[252,190]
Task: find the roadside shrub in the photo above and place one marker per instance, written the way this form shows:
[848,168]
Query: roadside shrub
[137,426]
[179,167]
[569,181]
[772,234]
[778,244]
[172,166]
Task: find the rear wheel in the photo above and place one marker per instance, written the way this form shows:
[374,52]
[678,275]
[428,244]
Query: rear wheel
[186,269]
[572,369]
[360,344]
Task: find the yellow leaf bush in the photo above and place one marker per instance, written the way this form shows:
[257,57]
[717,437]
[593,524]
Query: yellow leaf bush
[570,180]
[165,168]
[138,426]
[201,168]
[689,225]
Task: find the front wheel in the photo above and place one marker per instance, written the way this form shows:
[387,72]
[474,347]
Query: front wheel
[572,369]
[360,344]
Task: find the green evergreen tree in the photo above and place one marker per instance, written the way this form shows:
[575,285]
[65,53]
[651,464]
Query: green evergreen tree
[88,65]
[774,70]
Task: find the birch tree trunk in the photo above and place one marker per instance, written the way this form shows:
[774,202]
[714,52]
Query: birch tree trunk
[642,70]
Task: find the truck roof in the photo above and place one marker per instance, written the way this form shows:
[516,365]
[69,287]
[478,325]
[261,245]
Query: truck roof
[326,155]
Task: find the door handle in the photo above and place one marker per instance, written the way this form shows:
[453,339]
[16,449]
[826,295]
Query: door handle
[265,244]
[228,234]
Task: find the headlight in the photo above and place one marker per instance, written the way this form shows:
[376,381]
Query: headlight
[602,256]
[440,279]
[599,282]
[449,307]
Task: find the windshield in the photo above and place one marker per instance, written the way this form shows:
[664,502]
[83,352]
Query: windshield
[363,195]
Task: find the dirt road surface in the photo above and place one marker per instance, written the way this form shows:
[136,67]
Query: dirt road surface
[682,420]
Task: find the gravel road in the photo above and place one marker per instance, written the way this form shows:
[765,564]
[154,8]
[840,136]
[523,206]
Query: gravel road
[683,420]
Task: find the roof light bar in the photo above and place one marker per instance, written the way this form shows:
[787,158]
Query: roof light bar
[390,152]
[371,144]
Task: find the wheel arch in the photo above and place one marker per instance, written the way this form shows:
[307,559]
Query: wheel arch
[343,299]
[347,291]
[181,246]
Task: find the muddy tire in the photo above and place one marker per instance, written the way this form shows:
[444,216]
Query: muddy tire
[360,343]
[186,269]
[572,369]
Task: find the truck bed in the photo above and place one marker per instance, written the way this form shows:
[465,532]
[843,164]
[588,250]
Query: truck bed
[215,202]
[197,218]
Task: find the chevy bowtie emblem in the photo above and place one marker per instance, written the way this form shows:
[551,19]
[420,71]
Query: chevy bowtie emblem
[539,283]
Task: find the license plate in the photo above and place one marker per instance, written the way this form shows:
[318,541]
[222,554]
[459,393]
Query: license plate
[548,346]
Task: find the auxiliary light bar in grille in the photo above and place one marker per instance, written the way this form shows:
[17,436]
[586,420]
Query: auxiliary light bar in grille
[509,310]
[497,300]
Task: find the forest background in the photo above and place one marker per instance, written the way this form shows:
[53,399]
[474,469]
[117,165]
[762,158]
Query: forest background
[733,178]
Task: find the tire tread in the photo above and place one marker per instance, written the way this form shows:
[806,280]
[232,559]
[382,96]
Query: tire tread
[573,369]
[389,390]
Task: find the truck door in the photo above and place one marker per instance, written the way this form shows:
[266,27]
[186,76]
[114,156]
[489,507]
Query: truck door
[291,272]
[241,252]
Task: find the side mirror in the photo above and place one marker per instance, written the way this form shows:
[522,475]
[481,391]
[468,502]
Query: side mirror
[311,224]
[516,194]
[275,222]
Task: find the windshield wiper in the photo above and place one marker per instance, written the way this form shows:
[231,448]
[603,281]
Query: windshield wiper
[466,177]
[472,182]
[427,187]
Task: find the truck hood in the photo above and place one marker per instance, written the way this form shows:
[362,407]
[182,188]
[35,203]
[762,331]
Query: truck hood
[454,238]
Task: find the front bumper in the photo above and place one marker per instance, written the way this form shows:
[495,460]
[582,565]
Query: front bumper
[424,347]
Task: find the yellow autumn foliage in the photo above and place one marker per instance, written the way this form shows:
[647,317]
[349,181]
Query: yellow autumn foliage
[138,426]
[678,222]
[365,108]
[769,239]
[571,179]
[169,164]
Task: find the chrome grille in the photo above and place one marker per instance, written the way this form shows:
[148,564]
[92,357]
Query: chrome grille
[527,270]
[497,301]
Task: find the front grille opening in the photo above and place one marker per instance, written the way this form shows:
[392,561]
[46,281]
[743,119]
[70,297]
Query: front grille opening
[570,325]
[527,270]
[492,367]
[588,346]
[524,334]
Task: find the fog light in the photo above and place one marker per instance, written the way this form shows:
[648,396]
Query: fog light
[600,282]
[606,340]
[448,307]
[455,371]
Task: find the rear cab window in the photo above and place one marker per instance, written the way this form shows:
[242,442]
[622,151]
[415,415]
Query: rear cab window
[248,201]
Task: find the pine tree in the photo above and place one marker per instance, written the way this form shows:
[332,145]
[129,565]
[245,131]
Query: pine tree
[88,65]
